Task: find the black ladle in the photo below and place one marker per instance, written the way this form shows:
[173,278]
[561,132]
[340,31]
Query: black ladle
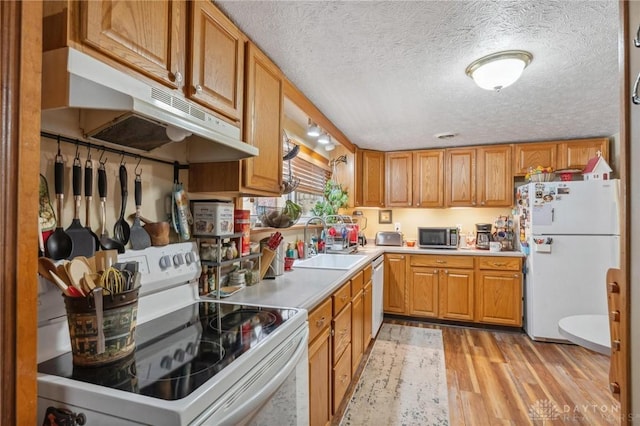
[105,242]
[59,244]
[122,230]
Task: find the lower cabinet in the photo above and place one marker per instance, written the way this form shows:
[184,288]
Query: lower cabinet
[339,334]
[394,283]
[482,289]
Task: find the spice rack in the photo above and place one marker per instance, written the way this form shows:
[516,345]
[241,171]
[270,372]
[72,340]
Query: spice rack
[223,273]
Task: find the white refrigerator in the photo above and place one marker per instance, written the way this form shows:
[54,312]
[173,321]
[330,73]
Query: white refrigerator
[573,237]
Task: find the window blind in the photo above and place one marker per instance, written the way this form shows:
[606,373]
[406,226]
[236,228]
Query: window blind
[312,178]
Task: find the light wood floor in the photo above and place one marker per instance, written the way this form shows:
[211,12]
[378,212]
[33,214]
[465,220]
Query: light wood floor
[505,378]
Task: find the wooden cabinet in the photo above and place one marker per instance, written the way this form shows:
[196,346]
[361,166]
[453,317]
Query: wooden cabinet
[370,178]
[575,154]
[146,36]
[357,320]
[422,284]
[565,154]
[532,155]
[263,111]
[479,177]
[415,179]
[494,179]
[428,178]
[399,179]
[460,171]
[441,287]
[341,343]
[394,283]
[499,291]
[341,377]
[216,77]
[320,364]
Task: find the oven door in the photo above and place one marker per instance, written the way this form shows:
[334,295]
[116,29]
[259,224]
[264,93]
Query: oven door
[276,391]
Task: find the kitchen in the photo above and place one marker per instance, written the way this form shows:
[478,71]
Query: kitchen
[164,180]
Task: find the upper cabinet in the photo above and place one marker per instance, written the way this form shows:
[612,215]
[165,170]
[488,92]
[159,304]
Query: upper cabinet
[263,111]
[415,179]
[479,177]
[567,154]
[370,178]
[217,61]
[263,122]
[146,36]
[576,154]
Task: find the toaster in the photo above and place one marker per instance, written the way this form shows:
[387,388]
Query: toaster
[389,238]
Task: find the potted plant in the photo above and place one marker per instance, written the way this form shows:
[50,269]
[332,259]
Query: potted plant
[335,197]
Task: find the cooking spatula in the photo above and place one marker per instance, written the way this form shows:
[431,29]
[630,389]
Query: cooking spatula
[83,242]
[138,236]
[88,196]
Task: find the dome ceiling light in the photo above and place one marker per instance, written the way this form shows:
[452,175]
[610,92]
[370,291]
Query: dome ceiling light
[499,70]
[324,138]
[313,129]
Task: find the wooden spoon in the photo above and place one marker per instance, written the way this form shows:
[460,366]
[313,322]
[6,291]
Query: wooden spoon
[45,267]
[76,270]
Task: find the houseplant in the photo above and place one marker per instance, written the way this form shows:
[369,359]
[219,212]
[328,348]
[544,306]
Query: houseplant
[335,197]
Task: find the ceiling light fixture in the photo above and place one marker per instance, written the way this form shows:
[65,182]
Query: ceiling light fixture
[313,129]
[330,146]
[499,70]
[324,138]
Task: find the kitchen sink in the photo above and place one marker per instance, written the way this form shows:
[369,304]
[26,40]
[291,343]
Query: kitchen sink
[330,261]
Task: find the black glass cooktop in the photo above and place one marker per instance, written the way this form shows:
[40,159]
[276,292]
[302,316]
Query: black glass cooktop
[178,352]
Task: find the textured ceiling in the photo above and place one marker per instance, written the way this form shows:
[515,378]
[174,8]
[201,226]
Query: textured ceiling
[391,74]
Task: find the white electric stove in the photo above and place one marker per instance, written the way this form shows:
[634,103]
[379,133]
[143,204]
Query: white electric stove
[196,361]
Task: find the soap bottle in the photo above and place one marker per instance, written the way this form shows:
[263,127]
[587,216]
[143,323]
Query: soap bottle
[290,252]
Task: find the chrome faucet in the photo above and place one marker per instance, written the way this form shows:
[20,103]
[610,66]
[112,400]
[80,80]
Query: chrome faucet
[308,246]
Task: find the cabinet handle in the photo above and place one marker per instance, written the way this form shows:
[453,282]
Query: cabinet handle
[614,387]
[499,264]
[435,271]
[515,276]
[482,203]
[441,261]
[613,287]
[320,322]
[198,89]
[343,378]
[615,345]
[473,203]
[418,204]
[446,272]
[343,298]
[177,76]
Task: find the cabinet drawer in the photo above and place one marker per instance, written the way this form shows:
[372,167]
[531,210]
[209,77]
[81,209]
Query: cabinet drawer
[500,263]
[319,319]
[341,297]
[439,261]
[357,283]
[367,274]
[341,378]
[342,332]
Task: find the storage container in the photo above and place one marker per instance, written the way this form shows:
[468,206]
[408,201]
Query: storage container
[212,218]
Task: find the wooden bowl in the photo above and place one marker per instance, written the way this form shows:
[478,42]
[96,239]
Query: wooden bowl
[159,233]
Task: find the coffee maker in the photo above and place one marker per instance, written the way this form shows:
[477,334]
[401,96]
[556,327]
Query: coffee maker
[483,235]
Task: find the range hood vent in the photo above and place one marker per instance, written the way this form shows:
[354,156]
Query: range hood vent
[120,109]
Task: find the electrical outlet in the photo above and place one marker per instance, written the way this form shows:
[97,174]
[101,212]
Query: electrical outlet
[397,227]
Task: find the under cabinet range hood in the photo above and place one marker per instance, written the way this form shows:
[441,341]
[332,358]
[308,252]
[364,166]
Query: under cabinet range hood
[117,108]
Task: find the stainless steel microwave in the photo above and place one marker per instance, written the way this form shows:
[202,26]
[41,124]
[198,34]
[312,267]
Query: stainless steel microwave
[438,238]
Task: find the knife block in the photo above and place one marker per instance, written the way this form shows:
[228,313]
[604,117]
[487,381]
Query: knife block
[267,257]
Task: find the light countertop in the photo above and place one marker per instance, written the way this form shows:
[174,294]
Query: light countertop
[306,288]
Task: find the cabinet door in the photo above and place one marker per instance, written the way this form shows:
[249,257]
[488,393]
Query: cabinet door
[399,178]
[494,180]
[423,292]
[371,179]
[576,154]
[263,122]
[341,378]
[320,370]
[533,155]
[428,178]
[456,294]
[368,313]
[460,177]
[357,331]
[217,61]
[394,283]
[499,298]
[148,36]
[342,333]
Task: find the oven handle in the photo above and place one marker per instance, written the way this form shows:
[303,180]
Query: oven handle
[252,403]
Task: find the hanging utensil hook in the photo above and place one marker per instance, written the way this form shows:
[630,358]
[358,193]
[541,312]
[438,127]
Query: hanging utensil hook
[102,163]
[58,156]
[76,160]
[138,173]
[122,162]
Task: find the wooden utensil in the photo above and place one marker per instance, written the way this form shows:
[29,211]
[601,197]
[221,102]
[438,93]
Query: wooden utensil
[59,244]
[45,267]
[104,259]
